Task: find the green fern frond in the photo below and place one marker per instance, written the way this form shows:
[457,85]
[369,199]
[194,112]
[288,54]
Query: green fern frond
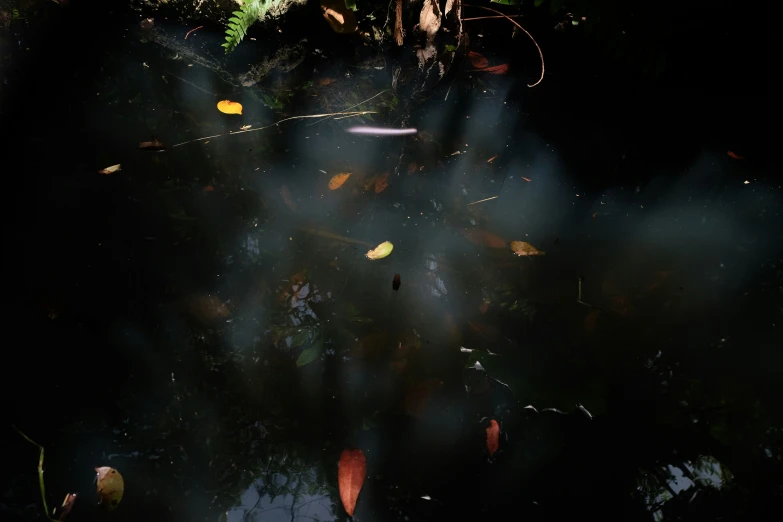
[249,13]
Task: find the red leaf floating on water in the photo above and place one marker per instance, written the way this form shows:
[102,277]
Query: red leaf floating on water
[735,156]
[590,319]
[350,477]
[381,182]
[478,61]
[493,437]
[496,69]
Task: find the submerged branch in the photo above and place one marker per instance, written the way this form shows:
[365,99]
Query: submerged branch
[232,133]
[40,471]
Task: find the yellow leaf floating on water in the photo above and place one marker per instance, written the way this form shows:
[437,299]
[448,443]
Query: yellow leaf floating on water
[111,486]
[381,251]
[229,107]
[521,248]
[338,180]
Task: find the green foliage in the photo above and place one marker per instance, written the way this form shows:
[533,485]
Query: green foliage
[248,14]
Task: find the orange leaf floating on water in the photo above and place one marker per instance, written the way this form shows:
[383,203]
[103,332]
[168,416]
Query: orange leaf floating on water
[732,155]
[288,198]
[478,61]
[350,477]
[229,107]
[338,180]
[381,182]
[493,437]
[484,238]
[111,486]
[522,248]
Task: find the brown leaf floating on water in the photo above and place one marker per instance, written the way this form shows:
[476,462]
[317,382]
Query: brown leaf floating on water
[484,238]
[288,198]
[111,487]
[396,282]
[522,248]
[381,182]
[155,145]
[350,477]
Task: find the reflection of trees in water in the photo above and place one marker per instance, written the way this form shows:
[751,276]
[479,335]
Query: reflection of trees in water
[287,487]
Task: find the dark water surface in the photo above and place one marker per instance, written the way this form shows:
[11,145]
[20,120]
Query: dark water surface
[156,315]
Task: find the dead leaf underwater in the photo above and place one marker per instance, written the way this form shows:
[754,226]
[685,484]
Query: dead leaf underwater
[521,248]
[493,437]
[338,180]
[111,487]
[350,477]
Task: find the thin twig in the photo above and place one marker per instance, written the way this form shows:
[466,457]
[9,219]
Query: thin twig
[482,200]
[191,84]
[354,106]
[579,297]
[488,17]
[40,472]
[196,29]
[540,53]
[231,133]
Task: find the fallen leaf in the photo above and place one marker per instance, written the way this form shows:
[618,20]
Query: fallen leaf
[412,167]
[522,248]
[590,319]
[229,107]
[309,355]
[381,251]
[490,160]
[496,69]
[338,180]
[287,198]
[153,146]
[206,308]
[493,437]
[396,282]
[111,486]
[381,183]
[208,188]
[735,156]
[340,18]
[483,307]
[110,170]
[322,82]
[484,238]
[478,61]
[350,477]
[66,507]
[419,397]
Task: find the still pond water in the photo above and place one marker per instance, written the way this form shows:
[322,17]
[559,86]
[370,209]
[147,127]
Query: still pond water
[208,323]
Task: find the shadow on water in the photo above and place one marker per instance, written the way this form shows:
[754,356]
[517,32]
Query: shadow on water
[205,319]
